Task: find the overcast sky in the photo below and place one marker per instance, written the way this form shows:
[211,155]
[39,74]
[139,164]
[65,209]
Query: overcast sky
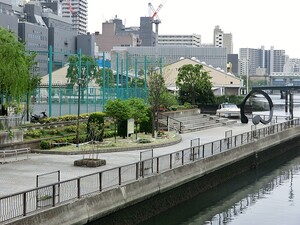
[252,23]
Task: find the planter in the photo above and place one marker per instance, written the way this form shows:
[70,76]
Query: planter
[90,162]
[13,136]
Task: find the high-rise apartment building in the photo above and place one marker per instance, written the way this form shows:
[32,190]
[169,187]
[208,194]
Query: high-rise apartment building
[223,40]
[193,40]
[252,59]
[292,65]
[78,11]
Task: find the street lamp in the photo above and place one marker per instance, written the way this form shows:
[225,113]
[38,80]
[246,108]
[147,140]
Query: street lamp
[80,81]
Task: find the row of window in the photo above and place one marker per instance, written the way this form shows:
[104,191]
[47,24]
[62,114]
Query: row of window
[37,37]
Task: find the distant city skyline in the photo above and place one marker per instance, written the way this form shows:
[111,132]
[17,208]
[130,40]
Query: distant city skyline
[252,23]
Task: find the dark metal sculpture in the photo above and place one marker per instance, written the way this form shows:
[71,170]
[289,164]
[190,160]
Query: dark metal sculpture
[256,119]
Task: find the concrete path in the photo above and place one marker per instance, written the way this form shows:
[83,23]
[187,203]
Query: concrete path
[21,175]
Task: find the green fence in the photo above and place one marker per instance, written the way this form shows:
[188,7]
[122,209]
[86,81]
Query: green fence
[64,100]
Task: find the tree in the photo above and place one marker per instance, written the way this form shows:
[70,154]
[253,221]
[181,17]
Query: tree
[15,64]
[118,110]
[88,70]
[168,99]
[139,111]
[156,89]
[194,84]
[109,78]
[137,82]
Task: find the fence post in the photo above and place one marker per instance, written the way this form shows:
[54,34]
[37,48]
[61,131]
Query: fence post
[182,158]
[157,165]
[78,187]
[120,178]
[235,141]
[143,167]
[137,171]
[100,181]
[24,204]
[171,161]
[53,195]
[220,145]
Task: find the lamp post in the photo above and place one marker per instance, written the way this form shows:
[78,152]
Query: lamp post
[78,111]
[79,87]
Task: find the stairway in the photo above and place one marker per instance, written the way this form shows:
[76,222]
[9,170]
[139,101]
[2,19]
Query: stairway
[193,122]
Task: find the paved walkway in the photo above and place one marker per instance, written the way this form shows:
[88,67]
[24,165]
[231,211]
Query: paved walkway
[21,175]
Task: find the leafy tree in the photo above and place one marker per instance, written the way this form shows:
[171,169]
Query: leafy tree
[194,84]
[156,89]
[137,82]
[88,70]
[15,64]
[139,111]
[168,99]
[109,78]
[118,110]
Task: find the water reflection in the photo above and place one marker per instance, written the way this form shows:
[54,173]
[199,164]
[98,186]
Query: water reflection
[260,190]
[265,196]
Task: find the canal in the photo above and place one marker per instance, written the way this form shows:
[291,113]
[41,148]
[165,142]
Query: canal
[268,195]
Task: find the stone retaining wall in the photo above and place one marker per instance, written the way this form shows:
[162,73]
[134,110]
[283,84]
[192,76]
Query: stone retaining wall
[102,204]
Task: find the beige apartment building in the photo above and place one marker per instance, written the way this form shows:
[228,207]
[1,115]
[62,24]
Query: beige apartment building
[223,83]
[112,37]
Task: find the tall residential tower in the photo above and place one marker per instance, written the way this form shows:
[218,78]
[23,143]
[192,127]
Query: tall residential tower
[78,11]
[223,40]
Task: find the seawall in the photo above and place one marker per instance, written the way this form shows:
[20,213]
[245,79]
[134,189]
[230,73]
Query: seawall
[195,178]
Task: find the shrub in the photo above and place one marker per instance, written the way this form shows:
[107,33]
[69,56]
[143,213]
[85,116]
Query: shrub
[143,141]
[70,129]
[146,126]
[95,126]
[45,144]
[109,134]
[34,133]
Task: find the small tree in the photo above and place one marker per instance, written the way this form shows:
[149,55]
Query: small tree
[139,111]
[88,71]
[95,126]
[194,84]
[118,110]
[156,89]
[109,80]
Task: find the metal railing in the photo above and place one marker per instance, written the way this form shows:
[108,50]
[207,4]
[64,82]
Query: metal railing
[30,201]
[170,123]
[13,155]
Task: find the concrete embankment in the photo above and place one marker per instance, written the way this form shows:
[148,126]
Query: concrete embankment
[172,186]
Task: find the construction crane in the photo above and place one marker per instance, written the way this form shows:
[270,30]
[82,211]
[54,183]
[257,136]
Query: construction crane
[70,8]
[155,18]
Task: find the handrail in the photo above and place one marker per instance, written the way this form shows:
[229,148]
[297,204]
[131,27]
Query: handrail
[15,152]
[171,118]
[32,200]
